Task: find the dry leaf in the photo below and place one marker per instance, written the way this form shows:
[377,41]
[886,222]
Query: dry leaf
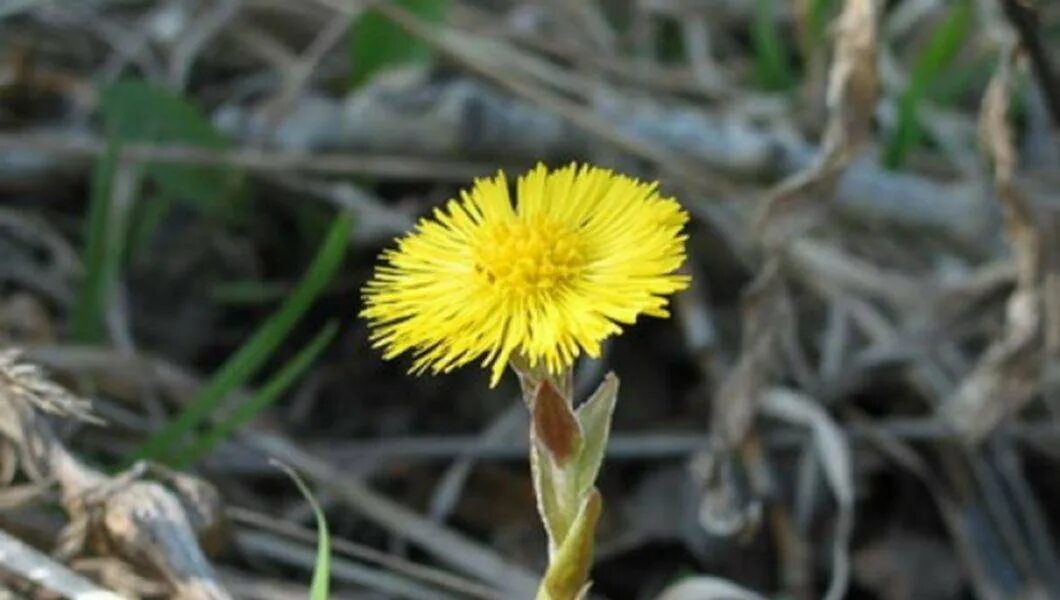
[799,201]
[833,449]
[703,587]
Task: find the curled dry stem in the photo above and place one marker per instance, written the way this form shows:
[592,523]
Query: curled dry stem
[152,526]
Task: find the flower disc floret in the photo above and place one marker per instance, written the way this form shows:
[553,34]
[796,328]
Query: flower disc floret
[581,251]
[526,257]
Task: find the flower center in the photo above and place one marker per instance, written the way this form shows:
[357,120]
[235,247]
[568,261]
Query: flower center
[529,256]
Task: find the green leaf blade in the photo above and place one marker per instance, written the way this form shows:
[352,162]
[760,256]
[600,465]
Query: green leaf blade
[136,111]
[771,52]
[319,588]
[104,250]
[265,397]
[594,416]
[937,54]
[252,355]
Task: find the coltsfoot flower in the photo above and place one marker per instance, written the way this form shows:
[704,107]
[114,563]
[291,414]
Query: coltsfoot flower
[581,251]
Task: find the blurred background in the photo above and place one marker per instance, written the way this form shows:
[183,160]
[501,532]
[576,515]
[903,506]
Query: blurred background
[857,397]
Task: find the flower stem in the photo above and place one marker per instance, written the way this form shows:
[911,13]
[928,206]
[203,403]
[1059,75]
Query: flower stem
[566,452]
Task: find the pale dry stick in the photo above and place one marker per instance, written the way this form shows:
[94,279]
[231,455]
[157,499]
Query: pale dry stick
[262,45]
[283,551]
[699,22]
[501,40]
[835,341]
[646,446]
[965,533]
[25,561]
[37,231]
[130,45]
[822,266]
[696,31]
[976,491]
[833,449]
[296,77]
[511,421]
[788,212]
[1024,16]
[489,26]
[376,220]
[1009,465]
[966,464]
[622,446]
[661,78]
[702,587]
[465,49]
[496,36]
[396,167]
[589,19]
[15,7]
[246,585]
[50,265]
[124,189]
[448,546]
[1001,505]
[197,35]
[1026,551]
[1006,377]
[397,564]
[1000,513]
[866,194]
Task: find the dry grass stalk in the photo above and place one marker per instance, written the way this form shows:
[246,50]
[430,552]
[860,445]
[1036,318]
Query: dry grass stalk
[152,526]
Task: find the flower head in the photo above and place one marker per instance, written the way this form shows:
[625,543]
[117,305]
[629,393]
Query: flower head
[581,251]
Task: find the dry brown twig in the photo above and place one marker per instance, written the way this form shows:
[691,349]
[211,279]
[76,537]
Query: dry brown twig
[790,209]
[25,561]
[853,87]
[1007,376]
[447,545]
[150,525]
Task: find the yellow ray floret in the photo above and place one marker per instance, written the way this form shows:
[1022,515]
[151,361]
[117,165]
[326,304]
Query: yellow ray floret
[581,251]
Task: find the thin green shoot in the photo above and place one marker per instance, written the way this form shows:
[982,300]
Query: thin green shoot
[938,52]
[266,396]
[238,370]
[103,250]
[771,54]
[318,589]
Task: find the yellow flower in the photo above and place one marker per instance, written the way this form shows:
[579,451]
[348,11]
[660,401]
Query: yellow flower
[582,250]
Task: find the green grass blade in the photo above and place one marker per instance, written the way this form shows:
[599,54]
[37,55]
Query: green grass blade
[963,79]
[939,50]
[318,589]
[265,397]
[249,292]
[248,360]
[818,25]
[102,253]
[771,55]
